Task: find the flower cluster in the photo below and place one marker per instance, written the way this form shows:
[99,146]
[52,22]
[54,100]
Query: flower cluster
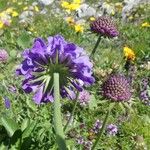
[116,88]
[86,144]
[104,26]
[97,126]
[55,56]
[145,24]
[3,56]
[6,17]
[84,98]
[129,54]
[71,6]
[79,28]
[7,102]
[112,129]
[144,94]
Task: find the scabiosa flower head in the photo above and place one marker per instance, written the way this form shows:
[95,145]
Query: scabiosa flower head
[3,56]
[84,98]
[116,88]
[104,26]
[60,56]
[112,129]
[7,102]
[144,94]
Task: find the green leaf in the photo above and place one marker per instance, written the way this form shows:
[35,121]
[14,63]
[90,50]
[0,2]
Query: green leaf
[2,76]
[92,103]
[16,139]
[3,147]
[13,53]
[31,104]
[24,40]
[10,125]
[25,124]
[29,130]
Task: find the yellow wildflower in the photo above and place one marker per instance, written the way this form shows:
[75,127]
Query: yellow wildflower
[65,4]
[2,14]
[74,6]
[77,1]
[70,6]
[14,14]
[25,8]
[145,24]
[9,10]
[129,53]
[79,28]
[113,12]
[70,20]
[36,8]
[119,6]
[1,25]
[92,19]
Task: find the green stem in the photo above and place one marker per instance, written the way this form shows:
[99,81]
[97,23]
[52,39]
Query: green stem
[103,127]
[96,46]
[60,137]
[72,113]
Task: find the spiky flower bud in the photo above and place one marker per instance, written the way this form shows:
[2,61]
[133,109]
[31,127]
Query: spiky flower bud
[3,55]
[116,88]
[104,26]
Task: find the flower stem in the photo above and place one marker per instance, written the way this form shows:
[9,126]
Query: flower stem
[103,127]
[60,137]
[72,113]
[96,46]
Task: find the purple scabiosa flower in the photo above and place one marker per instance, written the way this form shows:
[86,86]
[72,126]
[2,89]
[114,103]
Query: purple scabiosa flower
[84,98]
[97,126]
[60,56]
[116,88]
[144,94]
[112,129]
[7,102]
[3,56]
[104,26]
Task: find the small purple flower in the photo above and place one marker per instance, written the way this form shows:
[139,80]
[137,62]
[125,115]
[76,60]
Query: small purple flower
[57,55]
[104,26]
[112,129]
[80,140]
[97,126]
[117,88]
[3,56]
[7,102]
[84,98]
[144,91]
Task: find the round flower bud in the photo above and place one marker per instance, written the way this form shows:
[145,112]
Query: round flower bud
[3,56]
[104,26]
[116,88]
